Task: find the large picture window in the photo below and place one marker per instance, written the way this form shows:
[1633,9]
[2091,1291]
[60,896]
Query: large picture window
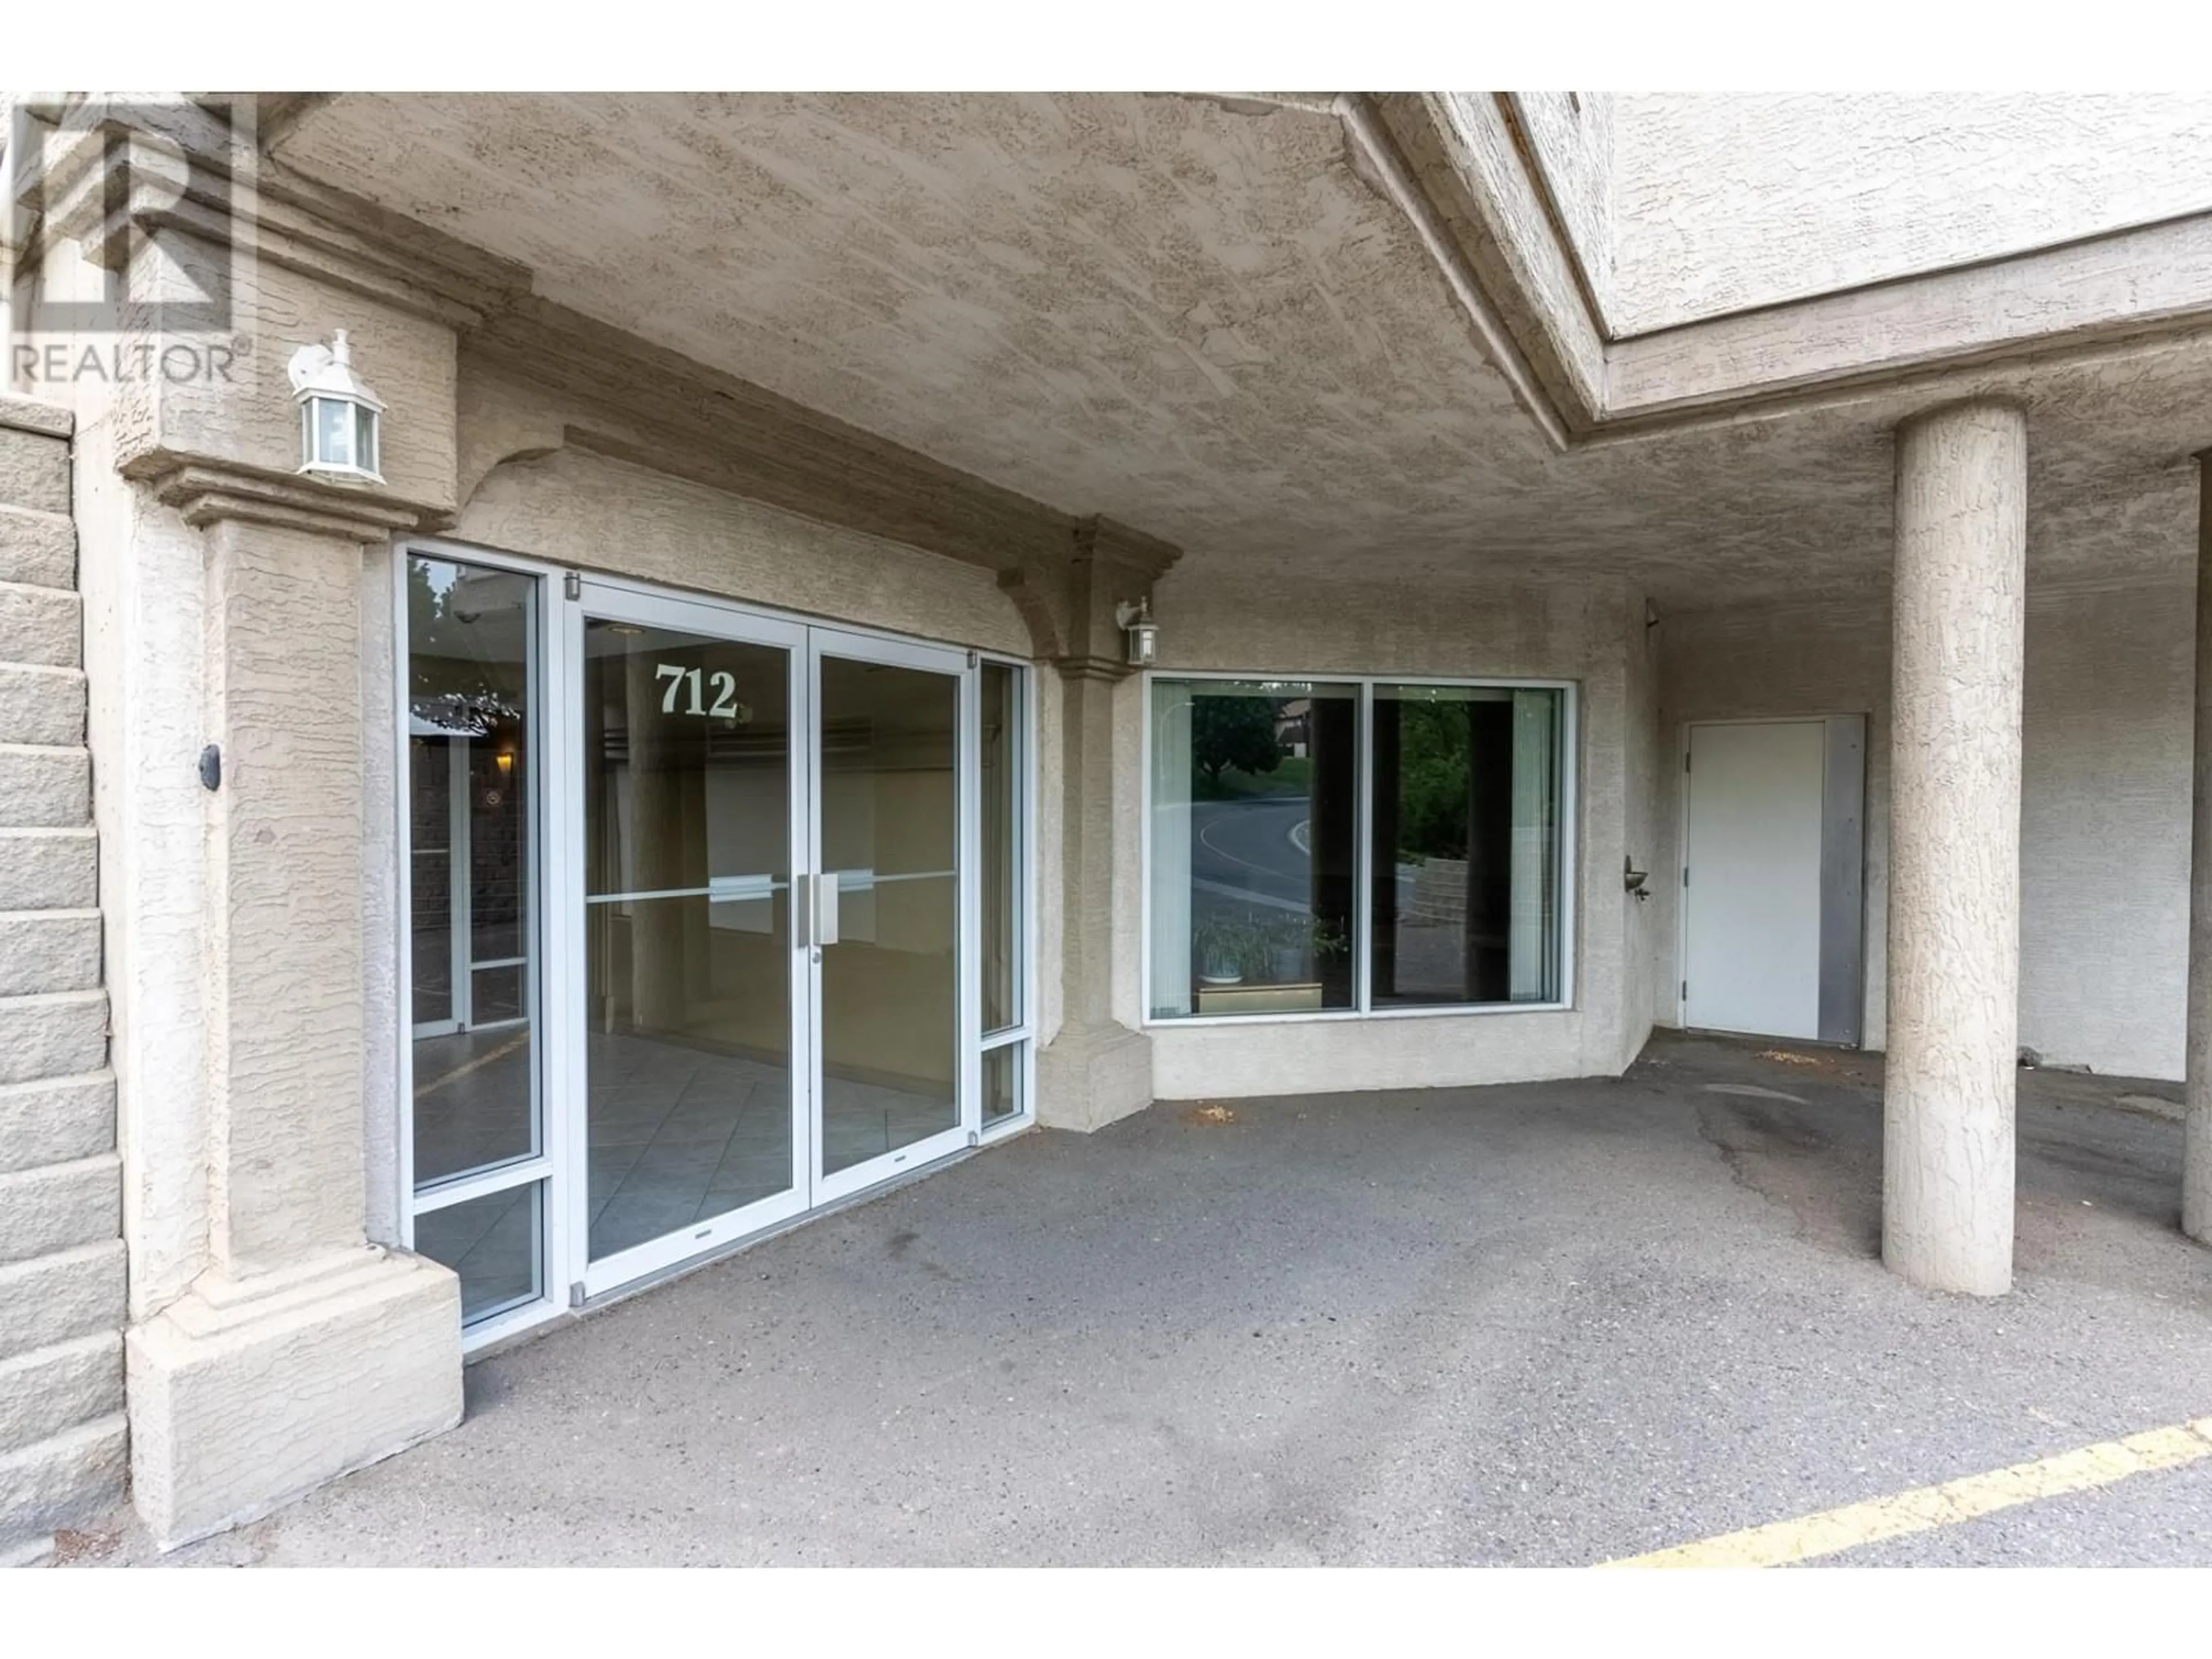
[1339,847]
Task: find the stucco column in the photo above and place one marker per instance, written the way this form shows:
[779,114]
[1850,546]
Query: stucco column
[250,927]
[1955,848]
[300,1350]
[1095,1068]
[2197,1143]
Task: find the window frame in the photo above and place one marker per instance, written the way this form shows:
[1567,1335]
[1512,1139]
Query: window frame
[543,1168]
[1021,1035]
[1363,989]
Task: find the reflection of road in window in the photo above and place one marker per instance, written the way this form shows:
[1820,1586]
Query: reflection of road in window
[1254,817]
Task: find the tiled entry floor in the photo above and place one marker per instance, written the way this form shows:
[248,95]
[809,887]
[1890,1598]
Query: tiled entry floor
[677,1135]
[680,1134]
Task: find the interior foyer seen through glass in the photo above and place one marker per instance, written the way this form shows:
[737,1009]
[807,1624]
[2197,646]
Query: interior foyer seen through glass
[890,836]
[687,920]
[1256,829]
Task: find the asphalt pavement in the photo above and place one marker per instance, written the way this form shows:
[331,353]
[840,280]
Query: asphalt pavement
[1555,1323]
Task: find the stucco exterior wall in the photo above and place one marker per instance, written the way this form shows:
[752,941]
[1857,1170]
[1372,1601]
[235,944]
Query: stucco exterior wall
[1570,134]
[611,517]
[1749,198]
[1642,646]
[2104,810]
[1230,617]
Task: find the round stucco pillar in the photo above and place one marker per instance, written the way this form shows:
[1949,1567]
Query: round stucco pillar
[2196,1154]
[1956,651]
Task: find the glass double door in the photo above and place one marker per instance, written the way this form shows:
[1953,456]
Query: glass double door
[770,821]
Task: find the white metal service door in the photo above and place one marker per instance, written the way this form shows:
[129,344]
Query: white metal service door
[1751,898]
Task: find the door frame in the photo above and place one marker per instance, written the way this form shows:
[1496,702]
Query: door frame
[546,1167]
[568,1003]
[1683,775]
[563,1130]
[826,640]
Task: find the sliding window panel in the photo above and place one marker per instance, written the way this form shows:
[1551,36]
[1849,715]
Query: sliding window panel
[1255,846]
[1464,902]
[474,741]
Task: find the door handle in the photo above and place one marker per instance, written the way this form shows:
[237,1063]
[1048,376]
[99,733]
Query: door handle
[814,911]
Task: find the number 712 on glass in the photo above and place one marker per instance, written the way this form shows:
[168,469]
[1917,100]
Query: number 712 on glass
[681,679]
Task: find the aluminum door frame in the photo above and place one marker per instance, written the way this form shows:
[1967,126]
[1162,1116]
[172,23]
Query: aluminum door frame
[961,667]
[567,1049]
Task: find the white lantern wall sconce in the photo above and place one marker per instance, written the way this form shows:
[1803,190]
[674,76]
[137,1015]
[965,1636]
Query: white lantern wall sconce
[1136,621]
[341,420]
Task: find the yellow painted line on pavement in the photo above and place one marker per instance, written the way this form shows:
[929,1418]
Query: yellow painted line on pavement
[1927,1508]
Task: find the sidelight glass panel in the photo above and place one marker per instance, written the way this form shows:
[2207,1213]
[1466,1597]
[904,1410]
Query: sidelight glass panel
[999,877]
[687,854]
[1255,841]
[473,737]
[1002,1081]
[1465,817]
[891,834]
[494,1243]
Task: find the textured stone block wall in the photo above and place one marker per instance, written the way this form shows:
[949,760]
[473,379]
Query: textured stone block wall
[62,1434]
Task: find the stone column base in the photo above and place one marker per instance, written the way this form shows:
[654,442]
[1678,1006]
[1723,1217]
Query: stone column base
[1087,1077]
[248,1392]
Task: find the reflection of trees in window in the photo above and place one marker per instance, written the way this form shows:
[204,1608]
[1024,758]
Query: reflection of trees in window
[1236,733]
[456,678]
[1433,770]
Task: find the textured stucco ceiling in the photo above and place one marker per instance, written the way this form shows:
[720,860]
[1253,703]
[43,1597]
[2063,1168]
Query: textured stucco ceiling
[1195,317]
